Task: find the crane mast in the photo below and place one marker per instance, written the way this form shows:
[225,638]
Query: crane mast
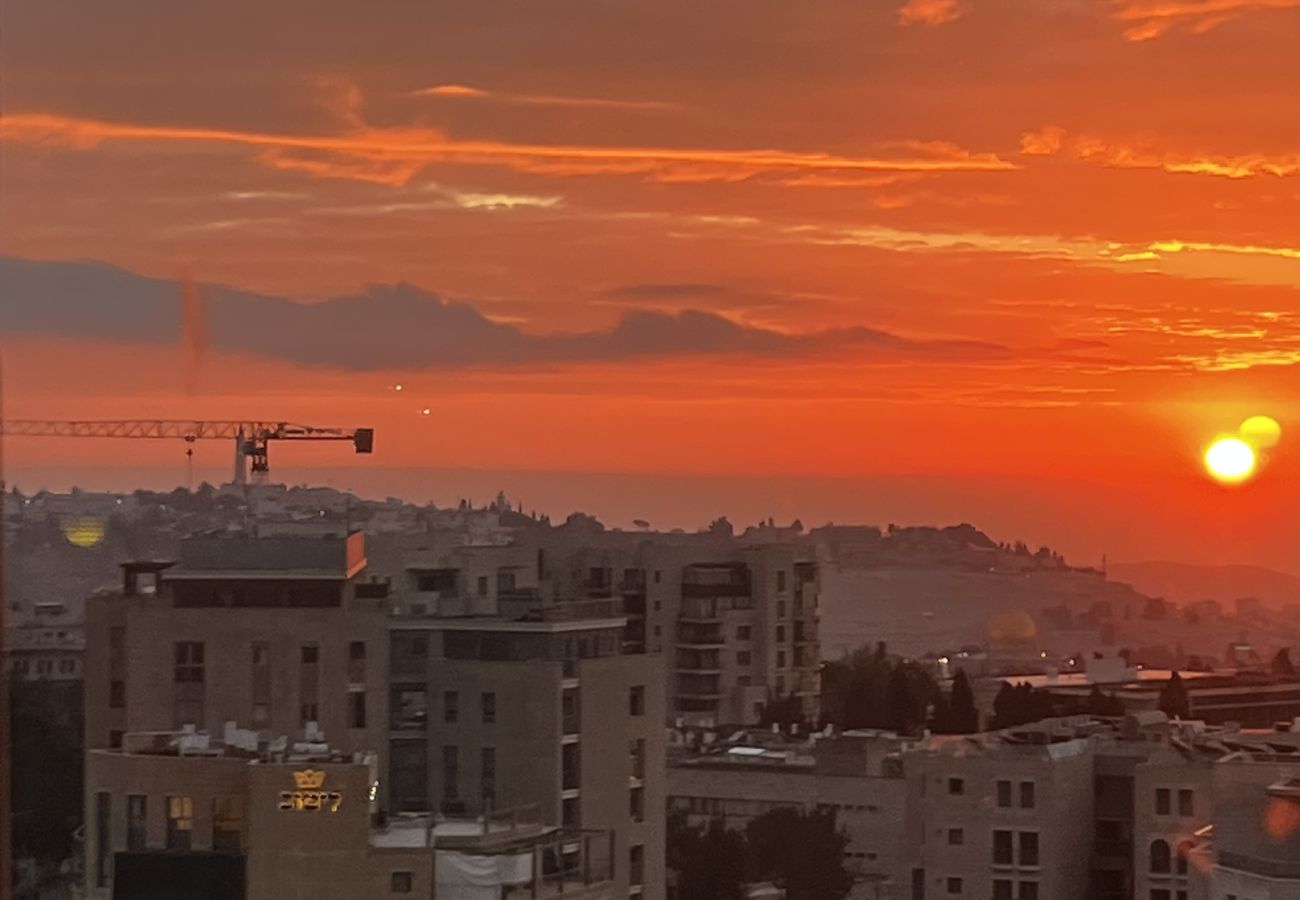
[251,437]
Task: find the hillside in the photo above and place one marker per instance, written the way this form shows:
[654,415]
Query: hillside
[1186,582]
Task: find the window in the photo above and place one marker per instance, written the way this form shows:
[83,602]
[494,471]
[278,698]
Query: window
[954,885]
[450,707]
[918,884]
[1029,848]
[401,883]
[744,632]
[103,838]
[408,708]
[1162,801]
[115,739]
[117,694]
[636,804]
[1180,895]
[137,822]
[636,700]
[780,579]
[261,669]
[1181,857]
[1026,795]
[956,837]
[1003,889]
[636,755]
[409,655]
[956,786]
[356,709]
[1028,890]
[489,704]
[780,659]
[1160,857]
[408,775]
[356,662]
[742,658]
[482,586]
[636,864]
[488,775]
[180,823]
[1159,894]
[570,767]
[1002,848]
[188,676]
[1186,803]
[780,609]
[227,823]
[309,684]
[442,580]
[450,772]
[780,633]
[659,575]
[570,813]
[1004,794]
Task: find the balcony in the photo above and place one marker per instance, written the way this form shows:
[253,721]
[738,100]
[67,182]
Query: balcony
[694,634]
[532,859]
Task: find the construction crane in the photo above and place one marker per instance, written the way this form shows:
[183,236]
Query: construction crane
[252,438]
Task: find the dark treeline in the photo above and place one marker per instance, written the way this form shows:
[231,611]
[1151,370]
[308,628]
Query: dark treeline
[801,851]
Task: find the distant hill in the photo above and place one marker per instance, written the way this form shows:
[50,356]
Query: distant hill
[1186,582]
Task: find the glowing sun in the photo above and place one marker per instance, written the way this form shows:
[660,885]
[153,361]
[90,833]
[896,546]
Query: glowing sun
[1230,460]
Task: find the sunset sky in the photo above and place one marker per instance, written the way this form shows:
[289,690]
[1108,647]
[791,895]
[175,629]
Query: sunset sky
[1007,261]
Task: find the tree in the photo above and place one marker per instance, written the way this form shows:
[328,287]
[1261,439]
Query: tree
[1282,664]
[707,863]
[1173,698]
[961,705]
[1102,704]
[804,852]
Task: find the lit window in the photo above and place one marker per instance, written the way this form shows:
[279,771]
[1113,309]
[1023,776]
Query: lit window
[180,823]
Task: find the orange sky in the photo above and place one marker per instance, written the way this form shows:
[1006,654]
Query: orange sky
[1071,227]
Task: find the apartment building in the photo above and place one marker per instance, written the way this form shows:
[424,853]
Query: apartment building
[735,618]
[274,634]
[999,816]
[547,712]
[184,815]
[858,776]
[471,702]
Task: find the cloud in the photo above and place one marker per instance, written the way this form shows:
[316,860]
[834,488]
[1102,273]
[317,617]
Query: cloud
[666,291]
[464,92]
[930,12]
[1053,141]
[1147,19]
[394,155]
[400,326]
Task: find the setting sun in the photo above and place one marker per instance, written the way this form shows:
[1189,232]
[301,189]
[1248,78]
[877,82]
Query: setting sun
[1230,460]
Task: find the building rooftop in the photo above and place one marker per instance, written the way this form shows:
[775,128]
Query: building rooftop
[227,556]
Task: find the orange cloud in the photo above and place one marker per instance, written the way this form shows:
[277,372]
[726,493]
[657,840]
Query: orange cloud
[465,92]
[1147,19]
[930,12]
[392,155]
[1051,141]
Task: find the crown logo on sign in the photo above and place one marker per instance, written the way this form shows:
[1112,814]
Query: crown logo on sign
[308,779]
